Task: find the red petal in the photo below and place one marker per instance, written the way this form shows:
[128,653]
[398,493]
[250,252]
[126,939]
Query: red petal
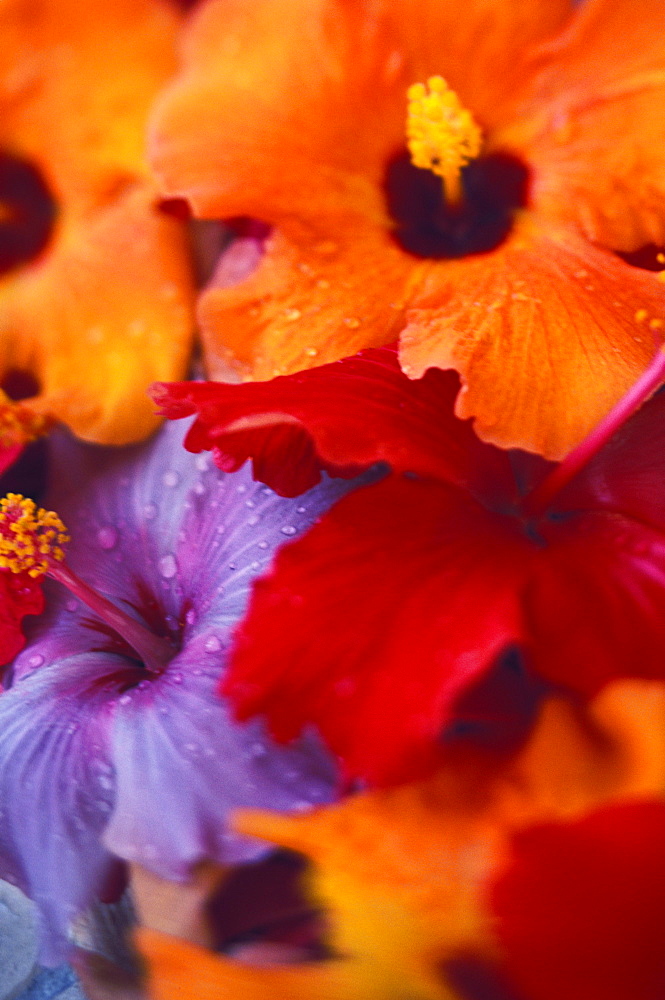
[580,908]
[628,474]
[20,595]
[372,624]
[596,603]
[355,412]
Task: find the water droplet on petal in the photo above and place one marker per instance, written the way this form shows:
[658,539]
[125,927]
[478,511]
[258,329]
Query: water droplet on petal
[263,544]
[150,511]
[170,478]
[252,521]
[190,617]
[168,566]
[199,489]
[201,462]
[288,529]
[107,537]
[300,510]
[124,699]
[212,644]
[36,660]
[177,678]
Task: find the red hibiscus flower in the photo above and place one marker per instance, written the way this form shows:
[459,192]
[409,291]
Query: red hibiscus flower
[409,589]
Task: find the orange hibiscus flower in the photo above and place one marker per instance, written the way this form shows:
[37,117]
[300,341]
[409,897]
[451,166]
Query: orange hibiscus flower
[506,269]
[537,876]
[94,280]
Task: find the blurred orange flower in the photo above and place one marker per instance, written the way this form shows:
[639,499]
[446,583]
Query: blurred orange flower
[414,878]
[294,114]
[94,282]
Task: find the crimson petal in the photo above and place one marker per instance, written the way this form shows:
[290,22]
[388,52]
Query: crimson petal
[373,623]
[579,910]
[20,595]
[341,417]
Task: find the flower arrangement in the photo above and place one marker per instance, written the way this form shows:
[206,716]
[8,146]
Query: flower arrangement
[332,547]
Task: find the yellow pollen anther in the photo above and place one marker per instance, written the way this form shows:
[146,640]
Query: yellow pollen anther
[19,424]
[441,134]
[31,538]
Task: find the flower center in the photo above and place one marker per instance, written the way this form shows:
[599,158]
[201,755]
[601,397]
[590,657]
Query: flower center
[442,135]
[27,212]
[33,540]
[19,424]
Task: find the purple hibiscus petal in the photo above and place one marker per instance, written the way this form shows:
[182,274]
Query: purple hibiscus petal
[146,764]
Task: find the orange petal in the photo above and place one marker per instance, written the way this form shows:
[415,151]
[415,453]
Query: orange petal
[404,872]
[317,296]
[178,969]
[597,124]
[76,84]
[105,308]
[102,316]
[256,126]
[547,333]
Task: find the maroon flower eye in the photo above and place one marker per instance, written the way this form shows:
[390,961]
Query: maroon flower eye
[27,212]
[426,225]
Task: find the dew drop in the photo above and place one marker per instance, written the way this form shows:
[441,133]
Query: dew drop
[197,672]
[168,567]
[300,510]
[107,537]
[170,478]
[288,529]
[212,644]
[201,462]
[252,521]
[150,511]
[263,544]
[250,503]
[124,699]
[190,617]
[199,489]
[36,660]
[177,678]
[311,352]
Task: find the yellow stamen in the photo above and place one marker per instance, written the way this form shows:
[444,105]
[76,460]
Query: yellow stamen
[19,424]
[441,134]
[31,538]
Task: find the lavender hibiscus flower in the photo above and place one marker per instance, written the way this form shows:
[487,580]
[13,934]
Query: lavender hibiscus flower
[102,758]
